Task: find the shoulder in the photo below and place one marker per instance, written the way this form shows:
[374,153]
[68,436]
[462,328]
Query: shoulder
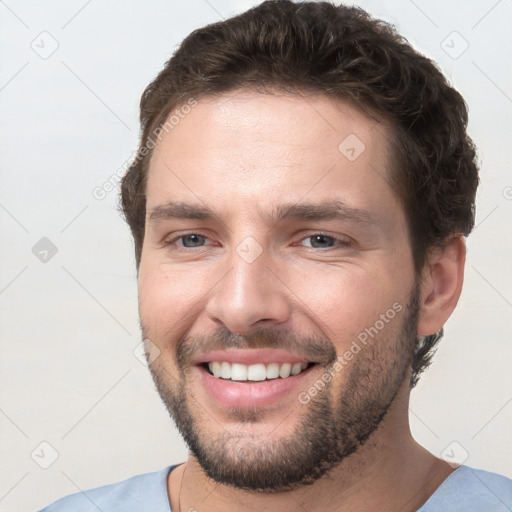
[141,493]
[468,489]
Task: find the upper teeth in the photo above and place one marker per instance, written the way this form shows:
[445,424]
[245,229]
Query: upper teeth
[260,371]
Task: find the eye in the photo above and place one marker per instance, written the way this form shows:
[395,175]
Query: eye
[322,241]
[191,243]
[192,240]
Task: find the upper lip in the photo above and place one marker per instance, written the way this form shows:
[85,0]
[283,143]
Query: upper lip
[249,356]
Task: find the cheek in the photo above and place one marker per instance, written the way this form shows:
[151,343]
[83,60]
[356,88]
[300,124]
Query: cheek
[167,299]
[345,300]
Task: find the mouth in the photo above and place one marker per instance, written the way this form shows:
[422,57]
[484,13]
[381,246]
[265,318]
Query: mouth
[239,372]
[252,378]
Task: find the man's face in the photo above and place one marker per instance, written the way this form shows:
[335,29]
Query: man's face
[274,241]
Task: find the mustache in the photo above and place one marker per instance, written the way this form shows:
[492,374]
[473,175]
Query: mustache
[313,348]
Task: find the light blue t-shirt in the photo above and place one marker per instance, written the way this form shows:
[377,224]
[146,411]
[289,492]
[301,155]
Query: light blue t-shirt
[465,490]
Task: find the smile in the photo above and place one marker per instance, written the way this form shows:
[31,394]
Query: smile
[254,372]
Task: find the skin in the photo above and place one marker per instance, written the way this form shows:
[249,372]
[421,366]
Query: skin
[242,155]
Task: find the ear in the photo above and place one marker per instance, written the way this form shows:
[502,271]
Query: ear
[441,285]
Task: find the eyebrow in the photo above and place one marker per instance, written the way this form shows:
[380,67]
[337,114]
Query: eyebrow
[329,210]
[181,210]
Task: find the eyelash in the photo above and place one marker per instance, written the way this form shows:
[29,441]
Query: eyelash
[339,242]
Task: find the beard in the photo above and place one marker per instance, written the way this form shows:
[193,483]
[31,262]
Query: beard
[334,424]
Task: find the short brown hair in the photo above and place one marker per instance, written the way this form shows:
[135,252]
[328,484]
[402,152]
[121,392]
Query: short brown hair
[342,52]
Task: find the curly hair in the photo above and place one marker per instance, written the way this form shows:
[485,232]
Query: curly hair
[342,52]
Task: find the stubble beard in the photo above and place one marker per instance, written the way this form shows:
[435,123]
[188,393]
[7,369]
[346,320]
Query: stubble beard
[326,434]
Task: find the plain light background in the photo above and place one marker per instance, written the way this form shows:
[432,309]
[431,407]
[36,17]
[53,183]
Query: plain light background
[69,326]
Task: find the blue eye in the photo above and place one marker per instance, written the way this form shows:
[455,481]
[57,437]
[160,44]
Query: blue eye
[192,240]
[321,241]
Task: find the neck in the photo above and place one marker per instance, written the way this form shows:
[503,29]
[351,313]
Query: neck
[389,472]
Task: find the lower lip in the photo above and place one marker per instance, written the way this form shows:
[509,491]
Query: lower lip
[229,393]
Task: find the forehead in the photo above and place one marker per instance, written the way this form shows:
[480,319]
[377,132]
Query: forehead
[252,148]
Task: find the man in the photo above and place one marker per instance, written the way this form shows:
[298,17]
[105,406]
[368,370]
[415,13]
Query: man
[299,204]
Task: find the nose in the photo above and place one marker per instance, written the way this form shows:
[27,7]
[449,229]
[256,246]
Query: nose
[250,295]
